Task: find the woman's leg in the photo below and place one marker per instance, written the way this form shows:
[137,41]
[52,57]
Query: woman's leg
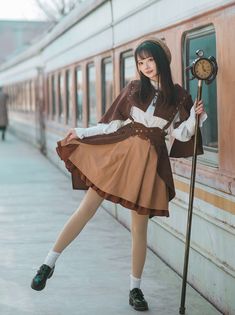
[72,228]
[78,220]
[139,225]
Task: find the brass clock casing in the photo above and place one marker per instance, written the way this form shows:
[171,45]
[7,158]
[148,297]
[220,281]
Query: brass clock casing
[202,68]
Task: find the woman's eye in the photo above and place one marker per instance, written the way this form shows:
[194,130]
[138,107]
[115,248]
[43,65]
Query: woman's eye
[140,63]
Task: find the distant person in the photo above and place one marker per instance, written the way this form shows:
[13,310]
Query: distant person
[124,158]
[3,112]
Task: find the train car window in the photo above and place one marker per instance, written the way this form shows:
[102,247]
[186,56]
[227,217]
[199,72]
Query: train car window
[107,83]
[20,106]
[61,95]
[47,94]
[30,96]
[24,107]
[18,97]
[204,39]
[10,92]
[27,96]
[69,95]
[79,96]
[91,94]
[33,95]
[15,100]
[27,101]
[53,96]
[11,95]
[127,68]
[23,97]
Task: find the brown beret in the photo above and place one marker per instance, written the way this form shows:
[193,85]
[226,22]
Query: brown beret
[160,43]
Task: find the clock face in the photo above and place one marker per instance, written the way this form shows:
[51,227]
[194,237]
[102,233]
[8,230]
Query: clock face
[203,69]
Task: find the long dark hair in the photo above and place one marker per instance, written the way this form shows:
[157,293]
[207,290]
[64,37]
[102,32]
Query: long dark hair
[151,49]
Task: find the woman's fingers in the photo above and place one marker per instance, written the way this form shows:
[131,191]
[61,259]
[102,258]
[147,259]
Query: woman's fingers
[68,133]
[199,107]
[71,135]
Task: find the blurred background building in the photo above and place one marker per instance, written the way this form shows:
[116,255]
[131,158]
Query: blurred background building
[16,36]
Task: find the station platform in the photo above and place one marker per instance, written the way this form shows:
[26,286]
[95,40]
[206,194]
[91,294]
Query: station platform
[92,275]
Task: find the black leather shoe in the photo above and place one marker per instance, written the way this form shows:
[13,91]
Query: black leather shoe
[39,281]
[136,299]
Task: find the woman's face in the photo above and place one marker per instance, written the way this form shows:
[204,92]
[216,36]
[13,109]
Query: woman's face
[148,67]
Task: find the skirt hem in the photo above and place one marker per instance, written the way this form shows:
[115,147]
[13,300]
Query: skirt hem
[125,203]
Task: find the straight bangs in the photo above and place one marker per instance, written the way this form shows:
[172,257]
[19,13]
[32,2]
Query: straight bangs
[143,51]
[143,54]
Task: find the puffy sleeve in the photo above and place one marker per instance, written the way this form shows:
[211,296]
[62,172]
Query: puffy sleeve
[182,128]
[186,129]
[114,118]
[100,128]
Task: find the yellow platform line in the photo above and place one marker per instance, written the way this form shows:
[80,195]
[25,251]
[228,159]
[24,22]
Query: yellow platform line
[217,201]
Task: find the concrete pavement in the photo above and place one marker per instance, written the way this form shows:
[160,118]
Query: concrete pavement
[92,275]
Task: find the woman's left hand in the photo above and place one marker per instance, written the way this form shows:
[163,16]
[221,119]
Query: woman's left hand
[199,107]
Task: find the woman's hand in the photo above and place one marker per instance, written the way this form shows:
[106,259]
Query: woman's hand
[199,107]
[71,134]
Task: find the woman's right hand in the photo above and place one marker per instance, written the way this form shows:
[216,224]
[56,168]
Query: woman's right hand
[71,134]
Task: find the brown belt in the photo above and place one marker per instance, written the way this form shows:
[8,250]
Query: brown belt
[154,134]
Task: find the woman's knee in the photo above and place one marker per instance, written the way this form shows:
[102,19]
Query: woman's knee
[139,224]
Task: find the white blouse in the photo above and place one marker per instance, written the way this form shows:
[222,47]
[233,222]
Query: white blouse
[183,132]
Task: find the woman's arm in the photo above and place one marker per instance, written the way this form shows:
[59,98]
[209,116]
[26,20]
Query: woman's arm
[186,129]
[114,118]
[101,128]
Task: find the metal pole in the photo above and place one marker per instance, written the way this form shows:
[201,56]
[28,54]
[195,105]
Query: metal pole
[190,208]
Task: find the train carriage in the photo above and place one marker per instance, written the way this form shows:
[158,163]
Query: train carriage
[70,77]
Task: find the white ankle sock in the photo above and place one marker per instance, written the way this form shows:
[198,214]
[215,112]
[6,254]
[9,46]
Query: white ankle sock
[134,282]
[51,258]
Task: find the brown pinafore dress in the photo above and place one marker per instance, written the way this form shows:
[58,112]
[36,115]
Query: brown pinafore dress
[130,166]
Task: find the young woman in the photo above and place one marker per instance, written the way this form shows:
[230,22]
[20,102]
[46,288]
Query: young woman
[125,159]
